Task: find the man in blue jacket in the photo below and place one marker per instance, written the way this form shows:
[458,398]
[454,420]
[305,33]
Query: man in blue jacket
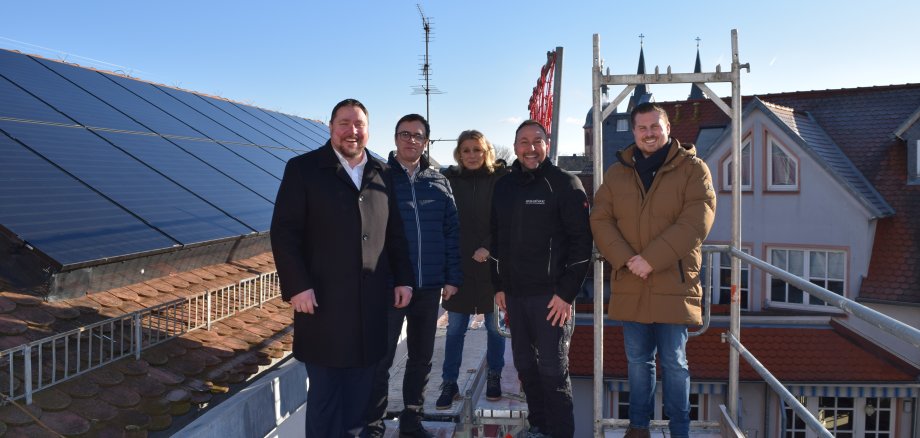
[541,244]
[432,228]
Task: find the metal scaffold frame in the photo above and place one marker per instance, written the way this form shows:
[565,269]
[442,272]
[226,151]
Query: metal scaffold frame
[733,336]
[600,80]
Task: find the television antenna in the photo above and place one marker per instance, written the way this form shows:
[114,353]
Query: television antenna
[425,69]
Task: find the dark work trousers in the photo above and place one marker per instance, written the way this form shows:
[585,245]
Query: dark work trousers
[336,400]
[541,356]
[421,316]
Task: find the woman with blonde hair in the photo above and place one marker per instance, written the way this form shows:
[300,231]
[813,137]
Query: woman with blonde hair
[472,180]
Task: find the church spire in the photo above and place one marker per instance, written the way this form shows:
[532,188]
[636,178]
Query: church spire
[640,94]
[695,91]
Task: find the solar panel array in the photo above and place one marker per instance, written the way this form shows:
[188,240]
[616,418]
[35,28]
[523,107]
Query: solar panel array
[95,165]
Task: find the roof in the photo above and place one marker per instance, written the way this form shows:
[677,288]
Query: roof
[813,357]
[828,155]
[171,382]
[861,123]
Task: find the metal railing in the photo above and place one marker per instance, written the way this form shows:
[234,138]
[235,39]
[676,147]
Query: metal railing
[43,363]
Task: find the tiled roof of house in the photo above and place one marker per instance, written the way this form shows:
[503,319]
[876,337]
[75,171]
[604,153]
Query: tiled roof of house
[861,122]
[171,381]
[815,140]
[801,354]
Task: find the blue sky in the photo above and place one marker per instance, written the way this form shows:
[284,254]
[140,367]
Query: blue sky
[302,57]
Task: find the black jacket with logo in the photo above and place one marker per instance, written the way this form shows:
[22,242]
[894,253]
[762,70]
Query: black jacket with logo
[541,238]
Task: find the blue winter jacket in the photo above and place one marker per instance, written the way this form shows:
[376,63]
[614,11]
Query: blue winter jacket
[432,229]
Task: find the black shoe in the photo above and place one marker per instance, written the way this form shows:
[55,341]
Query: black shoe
[410,425]
[449,393]
[494,386]
[374,429]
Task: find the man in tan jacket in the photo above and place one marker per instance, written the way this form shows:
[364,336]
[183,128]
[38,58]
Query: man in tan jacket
[650,218]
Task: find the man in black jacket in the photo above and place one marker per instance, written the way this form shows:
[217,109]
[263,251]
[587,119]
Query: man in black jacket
[338,244]
[429,215]
[541,243]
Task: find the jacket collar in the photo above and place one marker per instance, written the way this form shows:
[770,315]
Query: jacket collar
[328,159]
[394,163]
[677,153]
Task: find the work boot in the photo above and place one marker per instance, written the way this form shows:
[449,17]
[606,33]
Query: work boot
[494,386]
[410,425]
[637,433]
[449,393]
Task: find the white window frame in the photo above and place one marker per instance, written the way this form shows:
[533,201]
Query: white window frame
[622,125]
[748,166]
[807,299]
[771,186]
[917,160]
[718,288]
[858,418]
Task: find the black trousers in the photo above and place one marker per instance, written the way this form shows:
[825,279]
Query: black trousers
[336,400]
[421,316]
[541,356]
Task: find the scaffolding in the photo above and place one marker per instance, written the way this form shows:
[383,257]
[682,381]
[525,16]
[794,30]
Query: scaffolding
[730,416]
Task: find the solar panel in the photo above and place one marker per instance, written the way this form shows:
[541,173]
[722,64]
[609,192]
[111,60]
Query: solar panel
[62,94]
[62,217]
[197,177]
[278,136]
[177,109]
[245,131]
[129,183]
[315,128]
[306,137]
[122,100]
[18,104]
[234,166]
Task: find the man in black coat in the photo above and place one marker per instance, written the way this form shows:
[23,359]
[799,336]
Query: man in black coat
[338,242]
[541,244]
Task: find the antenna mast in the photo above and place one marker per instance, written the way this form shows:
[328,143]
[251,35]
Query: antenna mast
[425,70]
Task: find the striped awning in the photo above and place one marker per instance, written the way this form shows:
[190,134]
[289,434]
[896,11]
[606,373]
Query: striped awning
[886,391]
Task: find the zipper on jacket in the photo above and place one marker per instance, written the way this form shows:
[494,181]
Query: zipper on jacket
[418,226]
[680,268]
[549,262]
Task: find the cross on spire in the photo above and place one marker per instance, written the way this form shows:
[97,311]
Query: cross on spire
[641,37]
[697,42]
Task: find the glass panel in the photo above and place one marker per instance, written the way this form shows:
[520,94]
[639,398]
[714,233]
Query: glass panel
[836,265]
[783,166]
[797,262]
[795,295]
[778,258]
[777,290]
[746,165]
[817,264]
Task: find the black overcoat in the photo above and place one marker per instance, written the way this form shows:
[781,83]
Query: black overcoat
[348,245]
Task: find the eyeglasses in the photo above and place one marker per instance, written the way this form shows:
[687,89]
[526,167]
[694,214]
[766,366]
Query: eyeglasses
[406,136]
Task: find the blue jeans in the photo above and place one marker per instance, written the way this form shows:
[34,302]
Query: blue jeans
[457,324]
[670,341]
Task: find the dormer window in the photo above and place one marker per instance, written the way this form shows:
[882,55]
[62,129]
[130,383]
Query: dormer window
[782,167]
[746,169]
[915,174]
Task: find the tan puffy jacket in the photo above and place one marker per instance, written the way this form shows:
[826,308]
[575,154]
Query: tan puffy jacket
[666,225]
